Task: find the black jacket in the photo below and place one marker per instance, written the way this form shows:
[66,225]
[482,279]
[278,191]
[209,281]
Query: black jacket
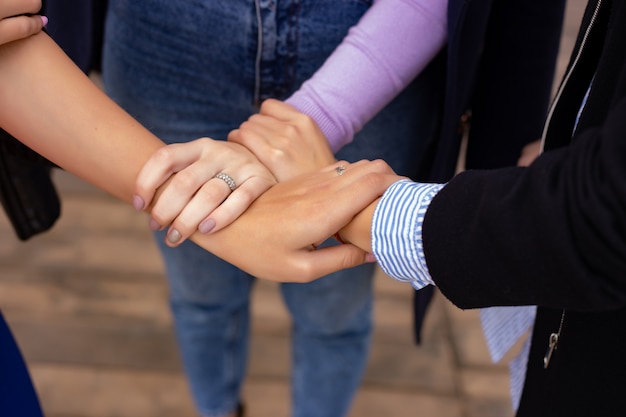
[498,68]
[554,235]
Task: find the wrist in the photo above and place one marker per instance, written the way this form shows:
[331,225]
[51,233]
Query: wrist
[358,231]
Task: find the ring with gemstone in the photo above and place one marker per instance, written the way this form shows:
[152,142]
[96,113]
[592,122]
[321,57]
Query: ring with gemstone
[227,179]
[340,169]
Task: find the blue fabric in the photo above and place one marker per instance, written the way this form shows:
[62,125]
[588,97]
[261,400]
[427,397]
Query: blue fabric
[18,397]
[191,69]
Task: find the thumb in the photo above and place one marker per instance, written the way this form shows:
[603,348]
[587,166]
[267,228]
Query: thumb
[335,258]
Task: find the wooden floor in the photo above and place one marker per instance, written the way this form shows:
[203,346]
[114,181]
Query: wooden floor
[88,304]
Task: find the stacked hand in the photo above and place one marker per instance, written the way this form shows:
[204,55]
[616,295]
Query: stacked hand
[276,144]
[14,24]
[194,198]
[276,237]
[287,142]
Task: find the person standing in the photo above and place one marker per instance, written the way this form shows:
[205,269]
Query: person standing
[190,69]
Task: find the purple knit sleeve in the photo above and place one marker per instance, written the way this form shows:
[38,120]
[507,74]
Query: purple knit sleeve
[382,54]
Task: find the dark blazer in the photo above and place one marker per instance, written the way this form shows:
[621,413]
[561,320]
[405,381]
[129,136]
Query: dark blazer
[554,235]
[77,26]
[499,67]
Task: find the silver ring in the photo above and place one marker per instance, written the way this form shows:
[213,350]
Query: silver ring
[340,169]
[227,179]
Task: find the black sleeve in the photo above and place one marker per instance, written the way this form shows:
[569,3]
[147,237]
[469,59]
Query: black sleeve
[553,234]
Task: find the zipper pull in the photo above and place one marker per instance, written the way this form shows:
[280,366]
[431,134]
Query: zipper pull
[552,345]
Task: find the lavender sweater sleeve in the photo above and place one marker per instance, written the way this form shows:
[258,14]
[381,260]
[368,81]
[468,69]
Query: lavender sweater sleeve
[382,54]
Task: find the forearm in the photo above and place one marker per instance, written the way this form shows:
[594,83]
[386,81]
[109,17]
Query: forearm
[359,230]
[382,54]
[52,107]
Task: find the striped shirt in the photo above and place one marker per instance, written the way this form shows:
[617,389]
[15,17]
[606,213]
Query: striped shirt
[398,247]
[397,231]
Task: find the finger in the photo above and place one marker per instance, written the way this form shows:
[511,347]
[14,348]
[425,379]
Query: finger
[291,118]
[363,166]
[237,203]
[191,218]
[339,168]
[257,139]
[19,27]
[192,199]
[279,130]
[160,167]
[310,265]
[280,110]
[17,7]
[263,128]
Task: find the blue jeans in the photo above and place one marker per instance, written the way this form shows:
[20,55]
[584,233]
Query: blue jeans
[187,69]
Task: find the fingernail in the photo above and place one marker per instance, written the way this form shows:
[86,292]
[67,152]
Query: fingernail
[206,226]
[44,20]
[173,236]
[370,258]
[154,225]
[138,202]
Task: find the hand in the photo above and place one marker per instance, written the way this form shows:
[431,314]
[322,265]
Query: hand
[14,25]
[286,141]
[276,237]
[529,153]
[194,199]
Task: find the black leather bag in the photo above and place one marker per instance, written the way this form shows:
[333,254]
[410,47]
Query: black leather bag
[27,192]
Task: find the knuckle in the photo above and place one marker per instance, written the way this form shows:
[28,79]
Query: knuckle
[210,196]
[24,26]
[290,130]
[163,156]
[382,165]
[184,227]
[246,194]
[304,272]
[306,121]
[246,135]
[267,105]
[185,180]
[277,156]
[159,216]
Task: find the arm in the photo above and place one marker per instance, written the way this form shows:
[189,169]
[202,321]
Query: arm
[549,234]
[52,107]
[553,236]
[392,43]
[47,102]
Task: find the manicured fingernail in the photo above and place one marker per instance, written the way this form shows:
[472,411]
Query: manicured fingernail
[206,226]
[370,258]
[138,202]
[44,19]
[173,236]
[154,225]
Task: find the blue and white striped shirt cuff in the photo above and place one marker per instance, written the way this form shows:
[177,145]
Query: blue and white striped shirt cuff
[397,231]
